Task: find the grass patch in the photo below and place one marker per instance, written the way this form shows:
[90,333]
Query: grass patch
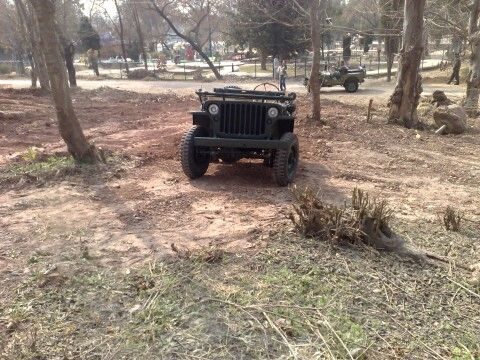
[33,167]
[296,298]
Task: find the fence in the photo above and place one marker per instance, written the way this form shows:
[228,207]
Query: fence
[374,62]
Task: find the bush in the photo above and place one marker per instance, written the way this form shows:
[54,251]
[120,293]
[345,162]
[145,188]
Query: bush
[365,221]
[5,69]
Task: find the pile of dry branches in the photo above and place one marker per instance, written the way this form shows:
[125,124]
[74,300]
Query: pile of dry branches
[364,221]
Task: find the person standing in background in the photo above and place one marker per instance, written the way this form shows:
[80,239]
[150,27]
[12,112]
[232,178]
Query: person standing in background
[457,63]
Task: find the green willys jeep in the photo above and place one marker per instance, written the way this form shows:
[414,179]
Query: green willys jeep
[233,124]
[348,78]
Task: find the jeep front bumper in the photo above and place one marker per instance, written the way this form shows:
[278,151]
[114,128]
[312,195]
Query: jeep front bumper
[240,143]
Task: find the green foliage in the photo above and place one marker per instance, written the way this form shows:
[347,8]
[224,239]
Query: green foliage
[33,166]
[134,50]
[31,154]
[88,36]
[254,27]
[5,69]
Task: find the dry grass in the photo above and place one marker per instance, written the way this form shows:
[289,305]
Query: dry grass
[452,219]
[297,298]
[365,220]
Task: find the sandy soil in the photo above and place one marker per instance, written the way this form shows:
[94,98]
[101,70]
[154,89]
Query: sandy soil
[147,206]
[60,228]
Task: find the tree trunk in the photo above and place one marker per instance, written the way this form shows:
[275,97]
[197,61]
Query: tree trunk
[28,34]
[473,82]
[138,27]
[20,65]
[38,57]
[21,26]
[68,124]
[314,9]
[404,100]
[391,27]
[68,51]
[263,60]
[390,58]
[194,45]
[33,71]
[121,34]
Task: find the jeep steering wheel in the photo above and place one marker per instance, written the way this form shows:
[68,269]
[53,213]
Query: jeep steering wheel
[265,84]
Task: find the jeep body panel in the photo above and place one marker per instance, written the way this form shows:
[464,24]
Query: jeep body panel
[340,77]
[243,119]
[232,124]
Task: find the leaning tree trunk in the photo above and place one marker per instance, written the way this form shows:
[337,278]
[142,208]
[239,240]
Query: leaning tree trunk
[473,82]
[404,100]
[38,56]
[138,27]
[314,9]
[39,69]
[68,124]
[121,34]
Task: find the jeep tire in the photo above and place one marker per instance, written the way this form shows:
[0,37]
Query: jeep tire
[286,160]
[194,165]
[351,85]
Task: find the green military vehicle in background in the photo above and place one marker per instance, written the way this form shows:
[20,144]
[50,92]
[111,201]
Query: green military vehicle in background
[350,79]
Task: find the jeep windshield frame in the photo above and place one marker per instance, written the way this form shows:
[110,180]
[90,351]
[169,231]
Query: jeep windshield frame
[245,95]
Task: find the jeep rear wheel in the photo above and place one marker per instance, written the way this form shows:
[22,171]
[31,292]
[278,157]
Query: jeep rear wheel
[351,85]
[194,162]
[286,160]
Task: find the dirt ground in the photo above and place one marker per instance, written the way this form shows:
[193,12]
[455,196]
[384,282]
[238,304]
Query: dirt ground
[128,213]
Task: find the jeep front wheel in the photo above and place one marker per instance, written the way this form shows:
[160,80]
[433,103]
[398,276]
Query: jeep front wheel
[286,160]
[194,162]
[351,85]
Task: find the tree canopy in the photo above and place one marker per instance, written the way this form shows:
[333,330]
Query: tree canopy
[275,28]
[88,36]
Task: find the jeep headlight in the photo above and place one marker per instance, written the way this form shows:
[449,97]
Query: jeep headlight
[213,109]
[273,112]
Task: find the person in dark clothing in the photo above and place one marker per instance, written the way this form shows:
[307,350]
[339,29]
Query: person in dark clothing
[456,70]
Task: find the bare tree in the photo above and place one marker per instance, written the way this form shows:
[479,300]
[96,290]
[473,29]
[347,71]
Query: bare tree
[200,14]
[68,124]
[138,27]
[315,8]
[39,68]
[404,100]
[121,32]
[392,27]
[473,82]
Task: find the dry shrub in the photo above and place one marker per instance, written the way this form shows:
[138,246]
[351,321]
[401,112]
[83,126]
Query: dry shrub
[452,219]
[211,254]
[364,221]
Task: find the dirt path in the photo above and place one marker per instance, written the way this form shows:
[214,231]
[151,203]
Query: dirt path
[378,89]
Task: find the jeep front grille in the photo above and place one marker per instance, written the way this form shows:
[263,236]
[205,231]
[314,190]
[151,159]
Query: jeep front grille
[242,119]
